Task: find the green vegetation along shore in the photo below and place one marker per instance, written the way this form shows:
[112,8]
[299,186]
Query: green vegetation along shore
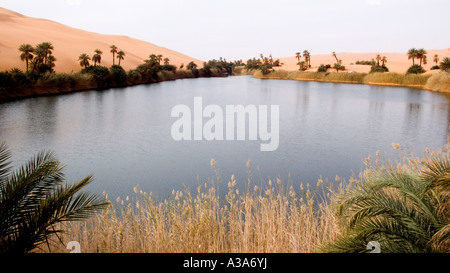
[437,82]
[41,79]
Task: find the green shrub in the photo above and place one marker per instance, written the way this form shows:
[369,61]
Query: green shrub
[322,68]
[379,68]
[445,64]
[118,74]
[100,75]
[415,69]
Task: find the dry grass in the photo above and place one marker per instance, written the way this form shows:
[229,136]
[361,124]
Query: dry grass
[436,82]
[411,80]
[439,82]
[276,218]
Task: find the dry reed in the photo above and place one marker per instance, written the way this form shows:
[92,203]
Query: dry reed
[272,219]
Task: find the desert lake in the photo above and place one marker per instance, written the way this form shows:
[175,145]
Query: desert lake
[123,135]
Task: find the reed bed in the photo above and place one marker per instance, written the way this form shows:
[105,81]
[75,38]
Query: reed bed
[411,80]
[437,82]
[276,218]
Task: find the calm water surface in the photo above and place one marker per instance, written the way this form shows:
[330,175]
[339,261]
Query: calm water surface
[123,136]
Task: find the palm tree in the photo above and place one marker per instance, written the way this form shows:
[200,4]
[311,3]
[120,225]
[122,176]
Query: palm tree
[46,48]
[307,56]
[191,66]
[335,56]
[159,58]
[424,59]
[403,212]
[51,62]
[445,64]
[421,54]
[383,60]
[166,60]
[298,55]
[412,54]
[113,51]
[436,59]
[35,200]
[97,57]
[378,58]
[84,60]
[27,51]
[120,55]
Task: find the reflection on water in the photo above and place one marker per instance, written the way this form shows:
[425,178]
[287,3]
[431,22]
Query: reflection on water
[122,136]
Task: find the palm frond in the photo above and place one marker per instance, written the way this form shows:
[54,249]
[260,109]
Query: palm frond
[5,165]
[404,212]
[34,200]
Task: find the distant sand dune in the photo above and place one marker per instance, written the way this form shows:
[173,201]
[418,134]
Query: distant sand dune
[69,43]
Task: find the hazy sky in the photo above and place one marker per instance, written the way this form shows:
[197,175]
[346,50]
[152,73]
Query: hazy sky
[240,29]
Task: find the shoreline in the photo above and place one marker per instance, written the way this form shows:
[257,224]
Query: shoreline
[439,82]
[39,89]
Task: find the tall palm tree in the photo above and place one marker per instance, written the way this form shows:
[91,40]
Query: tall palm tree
[159,58]
[298,55]
[113,51]
[335,56]
[97,57]
[378,58]
[421,54]
[403,212]
[47,48]
[383,60]
[412,54]
[120,56]
[35,199]
[84,60]
[27,51]
[436,59]
[307,56]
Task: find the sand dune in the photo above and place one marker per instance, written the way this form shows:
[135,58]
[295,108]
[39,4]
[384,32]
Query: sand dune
[396,62]
[69,43]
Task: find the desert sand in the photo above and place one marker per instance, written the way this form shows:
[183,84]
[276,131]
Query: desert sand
[396,62]
[69,43]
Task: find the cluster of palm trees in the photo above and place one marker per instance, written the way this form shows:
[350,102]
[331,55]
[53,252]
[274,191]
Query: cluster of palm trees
[303,65]
[97,57]
[39,58]
[379,59]
[419,54]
